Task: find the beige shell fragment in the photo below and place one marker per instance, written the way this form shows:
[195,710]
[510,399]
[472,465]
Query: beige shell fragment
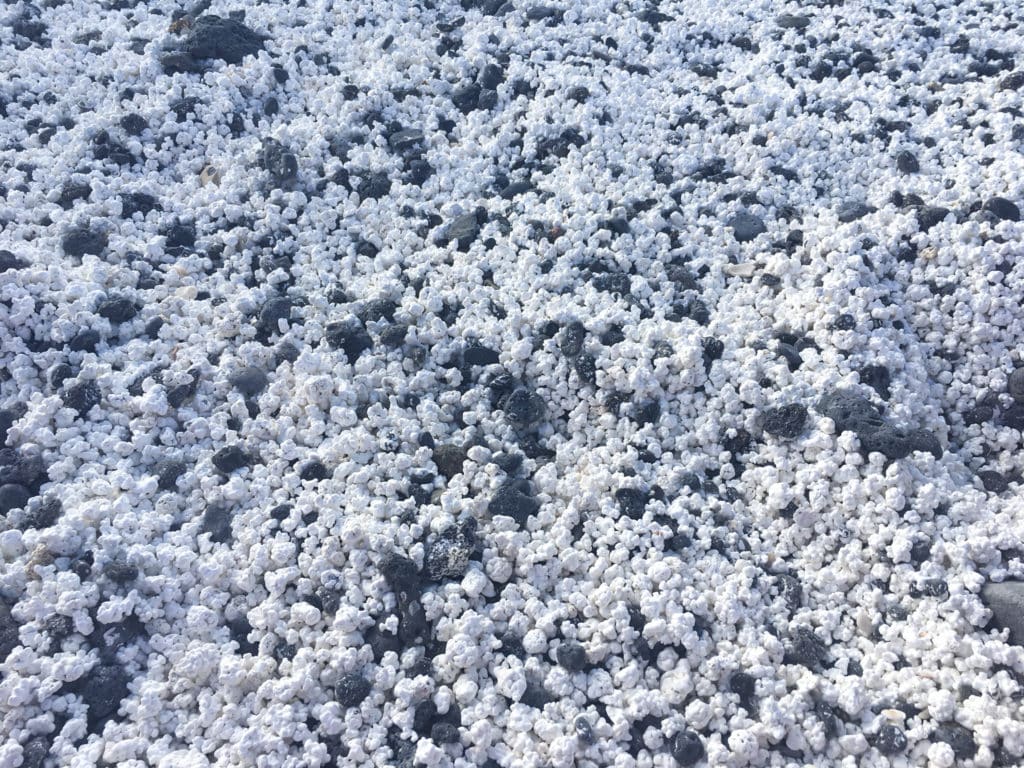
[745,269]
[209,175]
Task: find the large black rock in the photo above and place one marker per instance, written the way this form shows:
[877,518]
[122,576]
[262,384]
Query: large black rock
[212,37]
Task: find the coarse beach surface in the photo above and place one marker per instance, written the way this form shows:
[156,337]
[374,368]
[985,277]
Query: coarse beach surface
[511,384]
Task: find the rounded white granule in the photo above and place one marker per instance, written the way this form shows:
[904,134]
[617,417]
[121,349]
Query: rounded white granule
[940,755]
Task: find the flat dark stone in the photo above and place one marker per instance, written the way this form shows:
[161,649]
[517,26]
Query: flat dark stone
[852,211]
[888,441]
[9,262]
[1012,82]
[249,380]
[117,309]
[993,482]
[491,76]
[167,472]
[280,164]
[789,21]
[405,139]
[449,459]
[806,648]
[231,458]
[276,309]
[1006,601]
[103,689]
[850,411]
[477,354]
[746,226]
[82,241]
[906,162]
[212,37]
[82,396]
[217,523]
[632,502]
[515,189]
[463,229]
[13,496]
[1002,209]
[467,98]
[138,202]
[786,421]
[571,656]
[378,309]
[349,337]
[958,737]
[514,499]
[930,215]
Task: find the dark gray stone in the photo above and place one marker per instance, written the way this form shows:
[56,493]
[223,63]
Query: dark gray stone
[448,556]
[786,421]
[351,690]
[82,241]
[850,411]
[231,458]
[13,496]
[571,656]
[117,309]
[217,523]
[746,226]
[930,215]
[249,380]
[167,472]
[276,309]
[350,337]
[906,162]
[572,338]
[405,139]
[852,211]
[280,163]
[8,632]
[958,737]
[103,689]
[463,229]
[1002,209]
[514,499]
[449,459]
[632,502]
[212,37]
[806,648]
[789,21]
[888,441]
[1015,385]
[924,440]
[10,262]
[524,408]
[1006,601]
[82,396]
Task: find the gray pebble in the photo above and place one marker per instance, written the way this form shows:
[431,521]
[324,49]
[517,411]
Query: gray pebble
[1006,601]
[746,226]
[249,380]
[1015,385]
